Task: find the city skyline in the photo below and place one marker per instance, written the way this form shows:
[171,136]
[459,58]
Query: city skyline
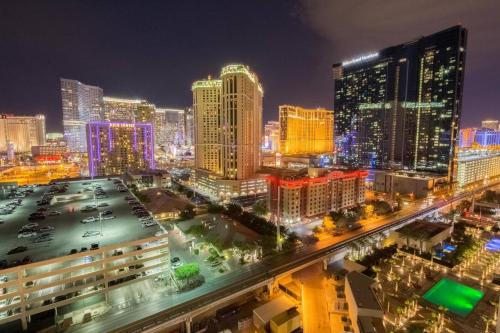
[150,75]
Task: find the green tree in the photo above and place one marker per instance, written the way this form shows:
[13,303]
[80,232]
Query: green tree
[187,272]
[215,209]
[464,205]
[197,230]
[187,213]
[382,207]
[234,209]
[260,208]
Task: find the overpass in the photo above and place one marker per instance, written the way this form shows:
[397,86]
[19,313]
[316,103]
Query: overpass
[181,308]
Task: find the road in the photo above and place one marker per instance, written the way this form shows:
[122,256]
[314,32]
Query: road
[315,316]
[173,306]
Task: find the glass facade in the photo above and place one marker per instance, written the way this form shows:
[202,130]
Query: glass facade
[81,104]
[400,108]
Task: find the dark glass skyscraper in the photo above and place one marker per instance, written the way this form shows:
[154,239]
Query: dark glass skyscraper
[399,108]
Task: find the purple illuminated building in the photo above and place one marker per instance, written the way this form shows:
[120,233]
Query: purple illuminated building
[116,147]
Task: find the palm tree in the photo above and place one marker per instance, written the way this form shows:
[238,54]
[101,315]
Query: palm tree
[391,263]
[376,269]
[399,311]
[414,299]
[407,233]
[407,308]
[442,310]
[420,237]
[487,320]
[397,278]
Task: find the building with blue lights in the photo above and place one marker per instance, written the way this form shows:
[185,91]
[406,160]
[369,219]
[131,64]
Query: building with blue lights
[400,108]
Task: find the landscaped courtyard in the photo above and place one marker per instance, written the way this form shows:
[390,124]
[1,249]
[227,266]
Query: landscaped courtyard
[425,295]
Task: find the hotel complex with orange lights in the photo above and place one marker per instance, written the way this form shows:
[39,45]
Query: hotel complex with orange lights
[21,132]
[228,122]
[305,131]
[295,195]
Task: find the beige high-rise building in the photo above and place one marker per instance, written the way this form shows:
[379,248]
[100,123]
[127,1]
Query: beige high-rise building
[21,132]
[207,120]
[120,109]
[241,119]
[128,110]
[228,131]
[305,131]
[491,124]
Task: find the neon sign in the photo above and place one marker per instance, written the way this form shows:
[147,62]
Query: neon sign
[364,57]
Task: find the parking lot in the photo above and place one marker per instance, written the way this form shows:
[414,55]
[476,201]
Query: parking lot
[62,226]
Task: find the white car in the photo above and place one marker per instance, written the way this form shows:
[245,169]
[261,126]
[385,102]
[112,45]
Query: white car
[26,234]
[90,219]
[109,217]
[30,225]
[146,218]
[46,228]
[54,213]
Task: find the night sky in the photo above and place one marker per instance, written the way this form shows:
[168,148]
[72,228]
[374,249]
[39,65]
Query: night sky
[156,49]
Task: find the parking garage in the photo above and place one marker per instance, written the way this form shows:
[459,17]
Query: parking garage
[74,261]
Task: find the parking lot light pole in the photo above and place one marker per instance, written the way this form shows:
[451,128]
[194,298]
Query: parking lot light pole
[100,222]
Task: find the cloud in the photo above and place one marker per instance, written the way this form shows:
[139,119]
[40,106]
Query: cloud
[358,26]
[354,27]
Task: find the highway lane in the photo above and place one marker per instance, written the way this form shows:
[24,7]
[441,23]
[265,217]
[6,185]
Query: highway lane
[172,306]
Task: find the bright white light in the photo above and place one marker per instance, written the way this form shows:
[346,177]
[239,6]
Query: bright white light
[364,57]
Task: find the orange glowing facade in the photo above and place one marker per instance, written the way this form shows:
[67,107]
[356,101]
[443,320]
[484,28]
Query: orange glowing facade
[305,131]
[39,174]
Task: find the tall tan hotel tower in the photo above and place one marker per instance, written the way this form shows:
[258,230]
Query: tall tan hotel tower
[228,132]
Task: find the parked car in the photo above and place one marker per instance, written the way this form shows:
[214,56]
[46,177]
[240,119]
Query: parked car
[54,213]
[18,249]
[30,225]
[91,233]
[90,219]
[26,234]
[176,262]
[43,239]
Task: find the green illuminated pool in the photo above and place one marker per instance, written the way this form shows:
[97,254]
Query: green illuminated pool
[456,297]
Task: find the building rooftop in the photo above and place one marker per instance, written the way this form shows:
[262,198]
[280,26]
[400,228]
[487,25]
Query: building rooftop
[415,174]
[427,228]
[160,202]
[273,308]
[68,230]
[361,286]
[371,324]
[285,316]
